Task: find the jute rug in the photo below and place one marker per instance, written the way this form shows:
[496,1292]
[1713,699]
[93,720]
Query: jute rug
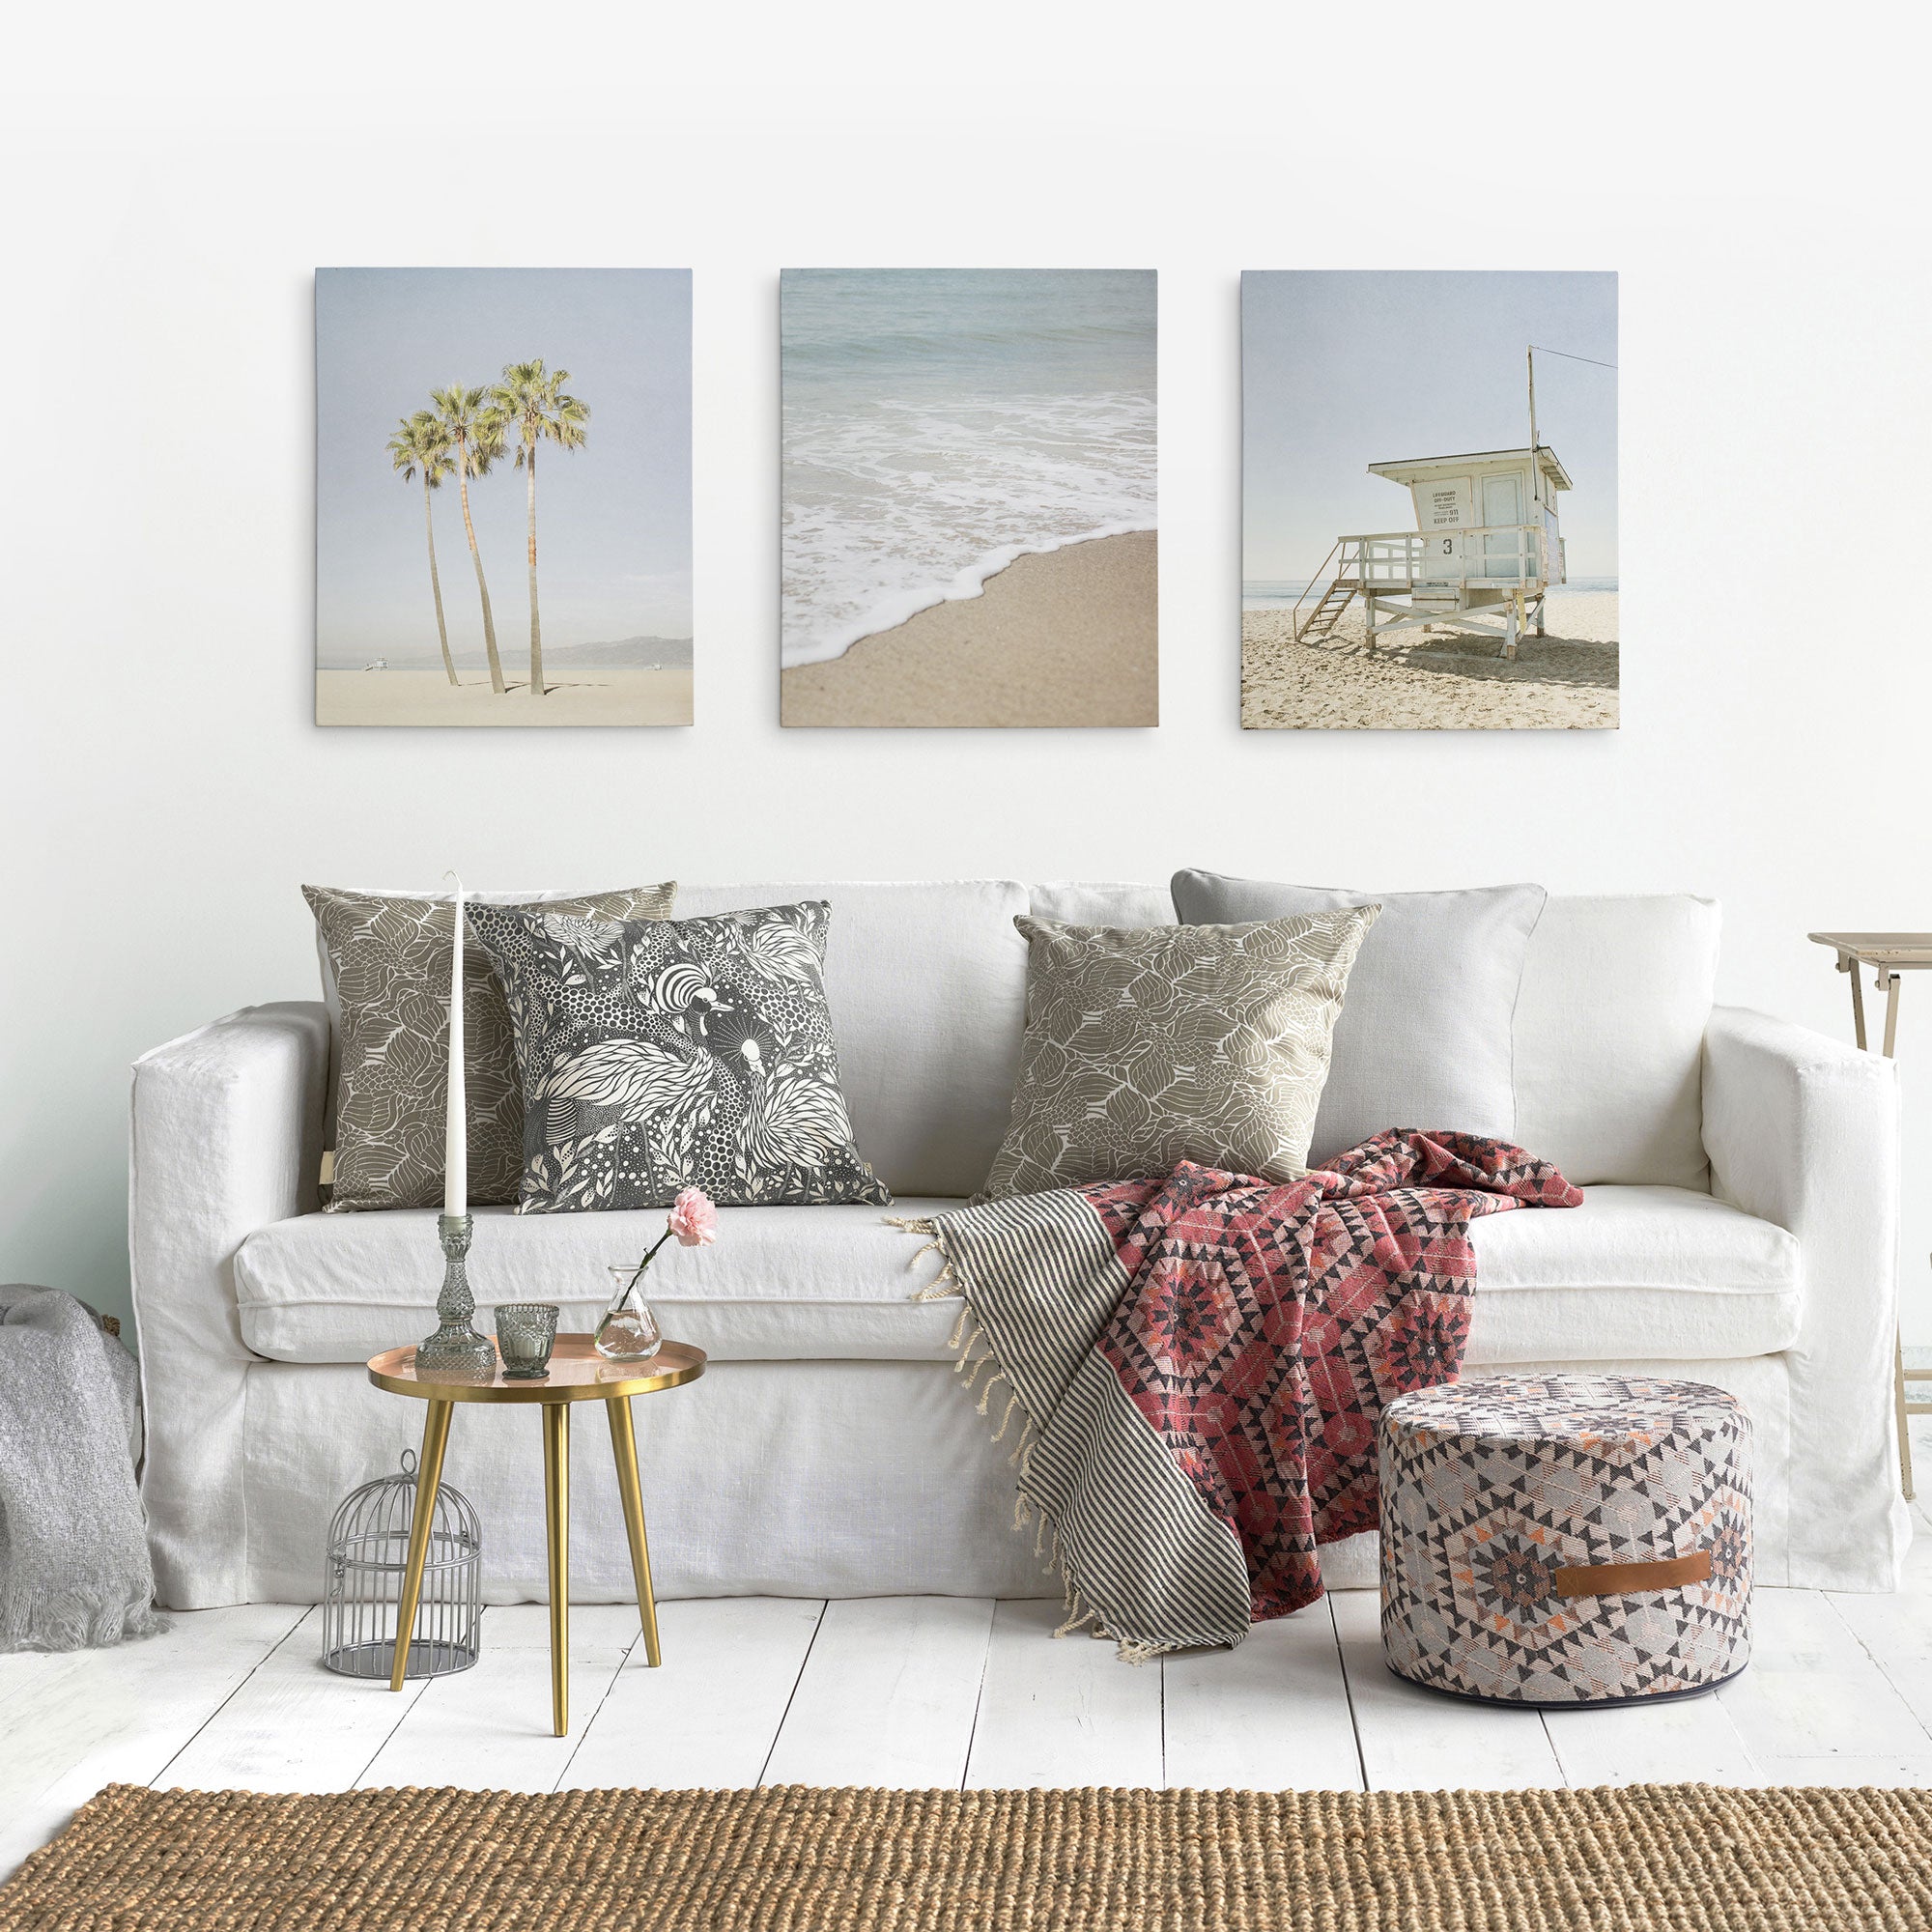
[1687,1857]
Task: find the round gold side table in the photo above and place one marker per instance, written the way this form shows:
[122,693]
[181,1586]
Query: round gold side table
[577,1373]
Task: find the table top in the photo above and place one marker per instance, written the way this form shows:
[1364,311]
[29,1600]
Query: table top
[1881,949]
[577,1373]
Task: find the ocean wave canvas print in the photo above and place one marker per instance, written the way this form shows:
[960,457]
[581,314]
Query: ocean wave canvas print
[1429,501]
[968,497]
[503,497]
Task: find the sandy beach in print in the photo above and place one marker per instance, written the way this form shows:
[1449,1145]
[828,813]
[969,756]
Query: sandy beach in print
[1063,638]
[1435,682]
[968,482]
[427,698]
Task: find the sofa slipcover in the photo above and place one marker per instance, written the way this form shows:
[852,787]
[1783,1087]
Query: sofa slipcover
[854,1475]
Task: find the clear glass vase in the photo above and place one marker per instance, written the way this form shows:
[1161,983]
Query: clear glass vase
[629,1331]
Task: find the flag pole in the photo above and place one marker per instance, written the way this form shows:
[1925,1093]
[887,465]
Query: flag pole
[1535,460]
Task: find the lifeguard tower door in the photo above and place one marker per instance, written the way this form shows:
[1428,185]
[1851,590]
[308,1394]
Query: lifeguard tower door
[1502,503]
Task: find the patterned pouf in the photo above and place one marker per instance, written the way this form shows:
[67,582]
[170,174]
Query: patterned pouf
[1566,1539]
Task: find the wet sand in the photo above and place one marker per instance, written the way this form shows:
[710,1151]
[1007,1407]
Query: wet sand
[1068,637]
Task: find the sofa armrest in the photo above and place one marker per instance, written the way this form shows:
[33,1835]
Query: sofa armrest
[1804,1131]
[226,1137]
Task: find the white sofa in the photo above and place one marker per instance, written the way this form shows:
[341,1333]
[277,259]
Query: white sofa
[1741,1183]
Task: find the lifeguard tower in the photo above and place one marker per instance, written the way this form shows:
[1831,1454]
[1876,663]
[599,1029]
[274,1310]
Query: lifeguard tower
[1483,551]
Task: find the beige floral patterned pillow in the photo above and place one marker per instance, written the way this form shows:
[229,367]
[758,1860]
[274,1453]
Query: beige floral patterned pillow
[1194,1043]
[391,961]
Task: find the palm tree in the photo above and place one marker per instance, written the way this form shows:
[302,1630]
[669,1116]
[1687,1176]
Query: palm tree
[476,432]
[420,444]
[533,401]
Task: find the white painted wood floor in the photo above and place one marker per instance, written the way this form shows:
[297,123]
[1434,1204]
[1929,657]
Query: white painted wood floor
[933,1691]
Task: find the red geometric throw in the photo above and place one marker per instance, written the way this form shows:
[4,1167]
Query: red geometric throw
[1202,1362]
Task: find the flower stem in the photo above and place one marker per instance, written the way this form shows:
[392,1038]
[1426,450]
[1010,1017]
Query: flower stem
[650,1255]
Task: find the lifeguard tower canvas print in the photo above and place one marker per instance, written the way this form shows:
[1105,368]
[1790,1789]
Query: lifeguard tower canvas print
[503,497]
[1430,500]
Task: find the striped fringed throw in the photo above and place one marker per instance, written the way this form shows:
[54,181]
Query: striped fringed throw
[1194,1367]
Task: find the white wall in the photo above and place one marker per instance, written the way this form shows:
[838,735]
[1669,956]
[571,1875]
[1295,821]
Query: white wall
[172,186]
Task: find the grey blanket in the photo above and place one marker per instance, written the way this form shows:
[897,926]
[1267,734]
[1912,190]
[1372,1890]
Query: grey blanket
[73,1546]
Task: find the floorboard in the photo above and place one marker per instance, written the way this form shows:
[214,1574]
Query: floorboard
[1272,1715]
[887,1695]
[292,1725]
[82,1720]
[933,1691]
[489,1728]
[1810,1693]
[707,1717]
[1692,1741]
[1416,1740]
[1065,1713]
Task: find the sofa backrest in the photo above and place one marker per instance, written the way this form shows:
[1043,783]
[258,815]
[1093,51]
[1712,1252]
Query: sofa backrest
[1609,1037]
[926,982]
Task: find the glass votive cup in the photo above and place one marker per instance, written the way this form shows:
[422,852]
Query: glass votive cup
[526,1334]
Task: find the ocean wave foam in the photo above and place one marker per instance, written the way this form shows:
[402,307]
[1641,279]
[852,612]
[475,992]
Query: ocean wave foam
[894,506]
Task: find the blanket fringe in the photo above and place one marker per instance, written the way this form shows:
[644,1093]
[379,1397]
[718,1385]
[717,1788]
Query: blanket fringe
[945,1285]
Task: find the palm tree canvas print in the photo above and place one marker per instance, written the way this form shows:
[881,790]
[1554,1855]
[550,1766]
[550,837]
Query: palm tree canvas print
[450,587]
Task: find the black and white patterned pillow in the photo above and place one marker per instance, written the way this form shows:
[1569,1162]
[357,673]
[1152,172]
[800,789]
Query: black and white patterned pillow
[661,1054]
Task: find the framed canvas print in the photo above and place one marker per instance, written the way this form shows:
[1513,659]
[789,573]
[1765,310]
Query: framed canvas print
[503,497]
[1429,499]
[968,497]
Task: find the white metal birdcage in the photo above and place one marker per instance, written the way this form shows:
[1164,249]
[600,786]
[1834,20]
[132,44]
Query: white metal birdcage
[368,1551]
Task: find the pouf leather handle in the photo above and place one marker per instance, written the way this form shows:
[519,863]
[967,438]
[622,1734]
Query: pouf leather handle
[1613,1580]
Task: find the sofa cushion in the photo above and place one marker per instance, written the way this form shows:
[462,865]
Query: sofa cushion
[1634,1274]
[1609,1037]
[780,1283]
[389,960]
[662,1053]
[927,983]
[1425,1037]
[1149,1046]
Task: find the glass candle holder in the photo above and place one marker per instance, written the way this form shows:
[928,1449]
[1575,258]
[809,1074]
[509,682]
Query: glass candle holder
[526,1334]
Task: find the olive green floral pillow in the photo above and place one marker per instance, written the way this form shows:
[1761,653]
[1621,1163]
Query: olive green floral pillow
[1143,1049]
[389,958]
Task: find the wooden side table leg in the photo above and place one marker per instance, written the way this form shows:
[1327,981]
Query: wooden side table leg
[428,1477]
[624,1447]
[556,1519]
[1889,983]
[1904,1414]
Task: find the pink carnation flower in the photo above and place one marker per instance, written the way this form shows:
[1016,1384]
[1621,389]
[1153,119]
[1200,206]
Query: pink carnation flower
[693,1219]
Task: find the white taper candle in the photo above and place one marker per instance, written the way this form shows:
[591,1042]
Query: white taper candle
[455,1138]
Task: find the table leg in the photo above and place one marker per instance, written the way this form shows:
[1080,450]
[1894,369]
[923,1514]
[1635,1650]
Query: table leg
[428,1477]
[1904,1414]
[1889,985]
[624,1447]
[557,1518]
[1847,964]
